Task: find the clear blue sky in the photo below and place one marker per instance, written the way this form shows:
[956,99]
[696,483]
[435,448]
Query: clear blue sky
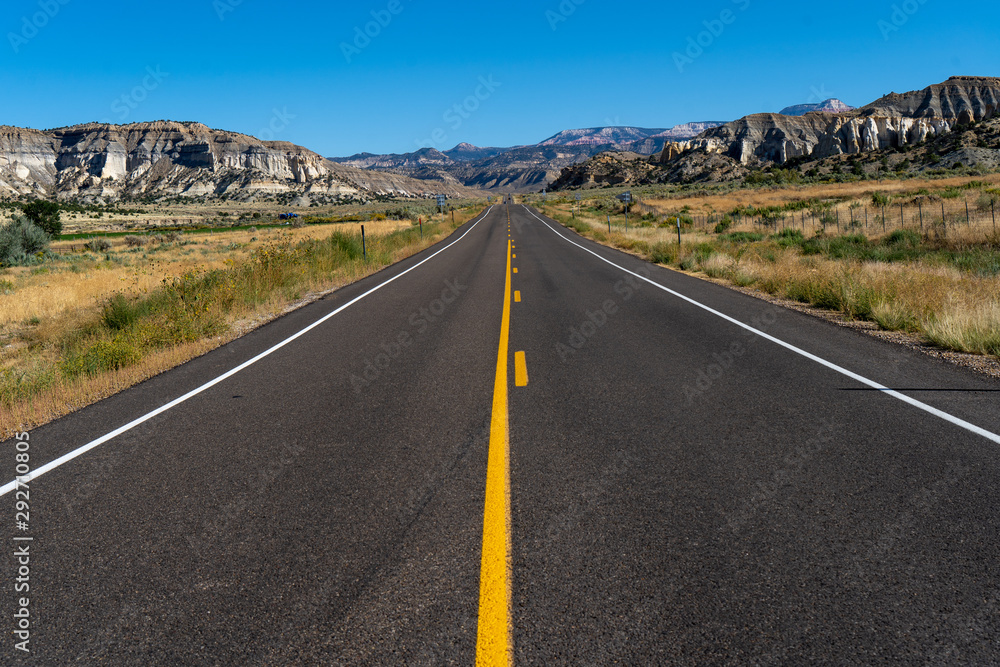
[279,69]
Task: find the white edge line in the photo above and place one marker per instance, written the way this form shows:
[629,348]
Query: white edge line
[843,371]
[66,458]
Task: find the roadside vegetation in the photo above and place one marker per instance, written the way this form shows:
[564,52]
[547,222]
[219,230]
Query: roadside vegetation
[96,318]
[939,280]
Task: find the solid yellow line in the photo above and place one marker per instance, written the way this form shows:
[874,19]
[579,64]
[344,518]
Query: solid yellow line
[493,646]
[517,297]
[520,370]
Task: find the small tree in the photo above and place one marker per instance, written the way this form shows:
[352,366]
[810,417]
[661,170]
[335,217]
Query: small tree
[44,214]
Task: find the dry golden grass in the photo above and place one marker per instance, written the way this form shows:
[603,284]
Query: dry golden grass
[61,301]
[953,309]
[763,197]
[57,289]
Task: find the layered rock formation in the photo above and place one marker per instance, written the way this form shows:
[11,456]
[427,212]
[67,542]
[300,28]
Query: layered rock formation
[892,121]
[162,159]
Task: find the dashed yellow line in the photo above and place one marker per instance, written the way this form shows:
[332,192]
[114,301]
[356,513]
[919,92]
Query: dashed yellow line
[515,270]
[493,644]
[517,297]
[520,370]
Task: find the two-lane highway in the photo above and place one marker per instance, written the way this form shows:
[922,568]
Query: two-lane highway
[524,446]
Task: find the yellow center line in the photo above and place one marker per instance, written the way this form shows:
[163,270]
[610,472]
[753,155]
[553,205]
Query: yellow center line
[493,646]
[520,370]
[517,297]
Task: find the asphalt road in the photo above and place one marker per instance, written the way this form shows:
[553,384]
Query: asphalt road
[681,489]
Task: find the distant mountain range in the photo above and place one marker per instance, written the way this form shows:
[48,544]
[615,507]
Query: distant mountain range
[827,106]
[523,167]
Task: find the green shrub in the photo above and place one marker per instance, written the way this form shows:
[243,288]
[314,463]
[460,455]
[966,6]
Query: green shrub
[703,251]
[98,245]
[880,199]
[21,242]
[902,238]
[787,238]
[119,312]
[101,356]
[663,253]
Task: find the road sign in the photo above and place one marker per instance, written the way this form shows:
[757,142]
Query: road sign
[441,200]
[627,197]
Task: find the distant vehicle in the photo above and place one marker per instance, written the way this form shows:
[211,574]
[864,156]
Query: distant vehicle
[288,216]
